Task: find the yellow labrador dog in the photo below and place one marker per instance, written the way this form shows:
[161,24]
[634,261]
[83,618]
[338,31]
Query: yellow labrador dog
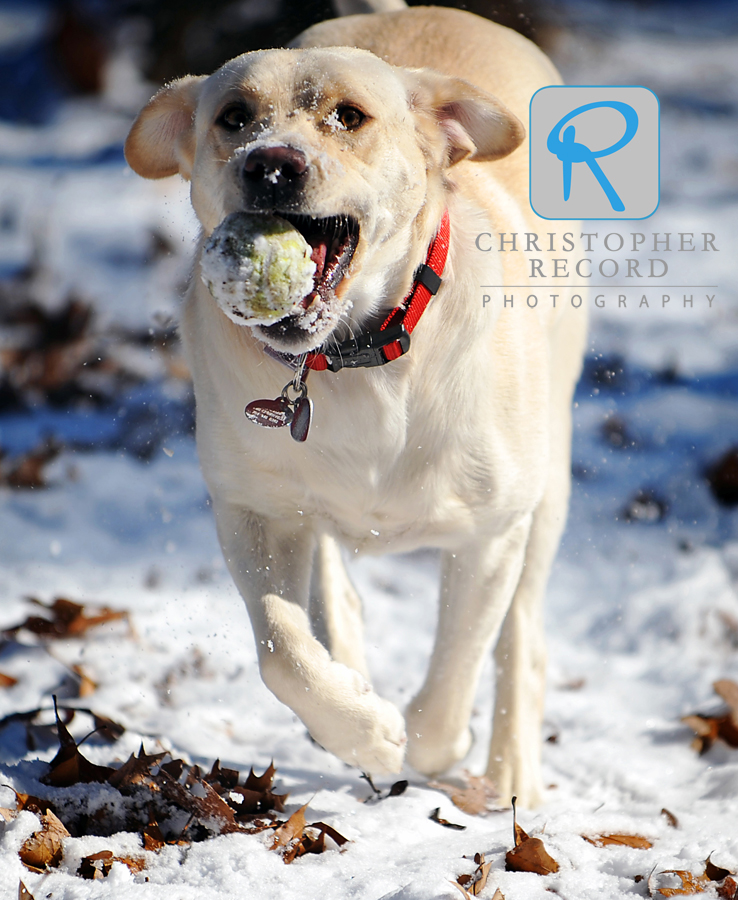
[391,141]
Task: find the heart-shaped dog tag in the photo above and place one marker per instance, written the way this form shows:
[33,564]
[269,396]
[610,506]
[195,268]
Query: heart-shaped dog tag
[269,413]
[301,417]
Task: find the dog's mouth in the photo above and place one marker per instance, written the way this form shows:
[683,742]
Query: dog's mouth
[333,241]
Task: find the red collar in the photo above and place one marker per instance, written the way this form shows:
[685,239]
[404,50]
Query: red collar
[393,338]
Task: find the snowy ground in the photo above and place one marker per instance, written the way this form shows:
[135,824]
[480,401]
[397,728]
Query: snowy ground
[643,616]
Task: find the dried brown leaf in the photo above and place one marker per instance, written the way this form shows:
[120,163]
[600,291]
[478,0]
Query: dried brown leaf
[97,865]
[310,842]
[715,873]
[728,690]
[211,810]
[262,782]
[623,840]
[104,727]
[31,803]
[291,829]
[708,728]
[23,801]
[135,770]
[498,895]
[258,801]
[703,726]
[728,890]
[256,795]
[65,619]
[461,890]
[39,733]
[689,884]
[134,863]
[86,685]
[44,848]
[518,834]
[398,788]
[670,818]
[69,766]
[7,681]
[174,768]
[435,817]
[23,892]
[153,839]
[475,883]
[298,838]
[27,471]
[222,779]
[529,854]
[478,796]
[331,832]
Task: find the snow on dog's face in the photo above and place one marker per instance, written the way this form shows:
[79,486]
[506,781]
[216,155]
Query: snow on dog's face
[348,149]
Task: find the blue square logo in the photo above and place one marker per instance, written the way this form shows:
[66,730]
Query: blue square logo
[594,152]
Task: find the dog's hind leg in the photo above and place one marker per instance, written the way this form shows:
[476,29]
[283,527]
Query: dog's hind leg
[520,659]
[270,561]
[477,586]
[514,763]
[335,607]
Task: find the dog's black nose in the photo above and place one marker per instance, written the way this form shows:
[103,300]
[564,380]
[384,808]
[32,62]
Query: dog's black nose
[278,165]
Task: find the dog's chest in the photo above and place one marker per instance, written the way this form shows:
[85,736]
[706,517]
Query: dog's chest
[386,465]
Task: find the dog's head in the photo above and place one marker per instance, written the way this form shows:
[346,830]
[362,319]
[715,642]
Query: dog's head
[352,151]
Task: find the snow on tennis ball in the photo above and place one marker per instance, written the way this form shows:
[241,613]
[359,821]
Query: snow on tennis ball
[257,267]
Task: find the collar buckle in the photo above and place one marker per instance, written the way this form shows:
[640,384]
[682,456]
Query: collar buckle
[365,351]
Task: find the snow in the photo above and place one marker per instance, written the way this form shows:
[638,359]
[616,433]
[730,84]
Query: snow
[639,614]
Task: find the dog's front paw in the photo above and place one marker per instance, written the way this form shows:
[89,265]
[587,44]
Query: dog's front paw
[368,732]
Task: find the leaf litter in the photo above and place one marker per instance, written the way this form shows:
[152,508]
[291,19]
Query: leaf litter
[165,801]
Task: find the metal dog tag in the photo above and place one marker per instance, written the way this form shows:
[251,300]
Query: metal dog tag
[300,424]
[296,412]
[270,413]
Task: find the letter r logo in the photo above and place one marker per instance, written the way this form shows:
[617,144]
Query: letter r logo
[594,152]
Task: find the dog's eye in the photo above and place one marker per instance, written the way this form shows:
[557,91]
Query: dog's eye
[234,118]
[350,117]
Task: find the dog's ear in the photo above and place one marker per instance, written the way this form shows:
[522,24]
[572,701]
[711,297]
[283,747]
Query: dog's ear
[162,141]
[476,125]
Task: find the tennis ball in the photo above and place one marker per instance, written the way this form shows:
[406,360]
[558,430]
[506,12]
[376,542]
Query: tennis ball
[257,267]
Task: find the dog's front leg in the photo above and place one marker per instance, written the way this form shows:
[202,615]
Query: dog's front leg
[335,607]
[477,587]
[270,561]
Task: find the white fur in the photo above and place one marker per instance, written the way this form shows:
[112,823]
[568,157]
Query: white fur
[462,445]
